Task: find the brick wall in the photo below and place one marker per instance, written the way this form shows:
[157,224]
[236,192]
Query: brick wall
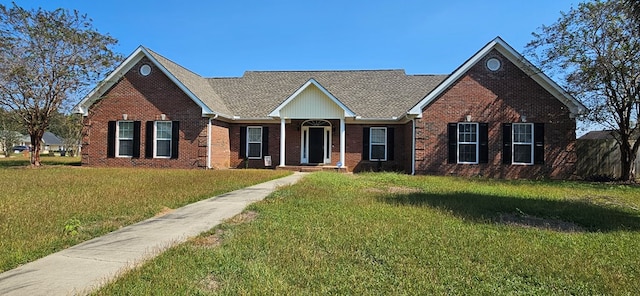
[490,97]
[145,98]
[220,145]
[353,153]
[496,98]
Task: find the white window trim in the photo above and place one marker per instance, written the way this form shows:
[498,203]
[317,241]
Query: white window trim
[248,142]
[118,139]
[477,143]
[377,144]
[514,143]
[155,139]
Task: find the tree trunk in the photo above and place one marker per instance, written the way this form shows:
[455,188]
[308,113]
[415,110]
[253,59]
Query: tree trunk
[627,160]
[36,139]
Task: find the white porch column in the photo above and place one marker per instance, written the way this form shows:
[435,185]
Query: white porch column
[282,141]
[343,144]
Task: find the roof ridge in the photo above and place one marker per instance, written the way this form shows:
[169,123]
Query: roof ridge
[328,71]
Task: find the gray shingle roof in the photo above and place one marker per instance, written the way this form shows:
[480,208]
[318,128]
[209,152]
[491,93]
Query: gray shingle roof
[370,93]
[50,138]
[195,83]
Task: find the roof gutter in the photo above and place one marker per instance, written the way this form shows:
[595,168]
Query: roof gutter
[393,118]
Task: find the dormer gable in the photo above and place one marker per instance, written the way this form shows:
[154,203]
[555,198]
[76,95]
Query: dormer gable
[312,101]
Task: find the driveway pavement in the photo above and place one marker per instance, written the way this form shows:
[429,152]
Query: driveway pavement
[83,268]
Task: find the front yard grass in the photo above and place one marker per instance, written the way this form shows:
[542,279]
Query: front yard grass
[21,160]
[44,210]
[373,234]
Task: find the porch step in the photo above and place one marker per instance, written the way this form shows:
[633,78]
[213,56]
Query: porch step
[308,169]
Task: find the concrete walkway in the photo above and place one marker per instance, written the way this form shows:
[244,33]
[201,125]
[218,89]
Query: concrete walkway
[85,267]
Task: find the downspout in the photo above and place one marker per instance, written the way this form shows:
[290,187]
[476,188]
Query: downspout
[209,141]
[413,147]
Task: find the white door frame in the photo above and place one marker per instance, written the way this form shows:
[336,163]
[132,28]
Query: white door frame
[326,140]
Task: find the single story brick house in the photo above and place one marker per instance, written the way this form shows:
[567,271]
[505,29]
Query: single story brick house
[496,115]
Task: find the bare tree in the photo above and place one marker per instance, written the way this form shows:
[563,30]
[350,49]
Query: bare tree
[596,48]
[46,58]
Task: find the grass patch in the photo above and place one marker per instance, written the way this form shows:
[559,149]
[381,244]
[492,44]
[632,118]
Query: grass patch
[48,209]
[397,234]
[19,160]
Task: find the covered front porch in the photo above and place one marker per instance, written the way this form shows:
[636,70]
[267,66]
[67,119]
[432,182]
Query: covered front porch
[312,124]
[312,143]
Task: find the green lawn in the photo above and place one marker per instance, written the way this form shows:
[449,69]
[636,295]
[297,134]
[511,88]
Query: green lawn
[19,160]
[395,234]
[43,210]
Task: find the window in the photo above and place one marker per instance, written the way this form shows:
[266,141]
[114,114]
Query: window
[254,142]
[378,143]
[523,143]
[378,146]
[163,139]
[468,143]
[125,139]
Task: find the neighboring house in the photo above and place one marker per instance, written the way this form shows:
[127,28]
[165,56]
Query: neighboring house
[496,115]
[51,142]
[599,156]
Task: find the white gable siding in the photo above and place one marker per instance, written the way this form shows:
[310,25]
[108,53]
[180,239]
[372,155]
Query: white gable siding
[312,103]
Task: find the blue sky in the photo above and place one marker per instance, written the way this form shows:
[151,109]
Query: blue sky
[226,38]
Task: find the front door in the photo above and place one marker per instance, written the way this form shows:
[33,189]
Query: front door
[316,145]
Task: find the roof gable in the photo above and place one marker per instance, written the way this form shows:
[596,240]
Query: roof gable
[575,107]
[50,138]
[304,100]
[185,80]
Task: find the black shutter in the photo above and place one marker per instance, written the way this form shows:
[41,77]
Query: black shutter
[483,137]
[136,139]
[265,141]
[175,139]
[453,142]
[390,144]
[506,143]
[148,143]
[538,141]
[243,142]
[365,143]
[111,139]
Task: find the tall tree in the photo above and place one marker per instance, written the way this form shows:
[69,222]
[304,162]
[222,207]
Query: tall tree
[596,48]
[47,58]
[634,8]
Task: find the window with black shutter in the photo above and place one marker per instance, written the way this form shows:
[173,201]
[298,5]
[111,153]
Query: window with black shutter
[468,142]
[523,143]
[123,139]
